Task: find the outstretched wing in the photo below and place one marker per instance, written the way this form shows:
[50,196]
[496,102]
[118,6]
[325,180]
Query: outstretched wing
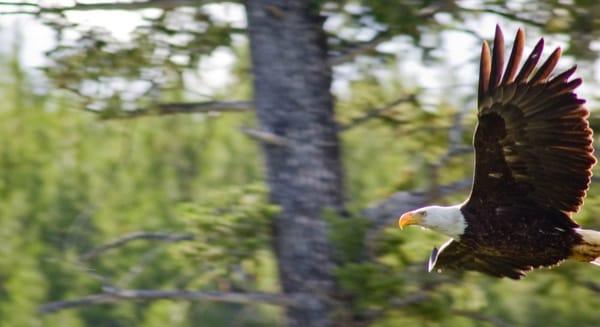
[455,255]
[533,139]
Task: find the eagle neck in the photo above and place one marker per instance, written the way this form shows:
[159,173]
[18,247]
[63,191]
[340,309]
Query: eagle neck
[446,220]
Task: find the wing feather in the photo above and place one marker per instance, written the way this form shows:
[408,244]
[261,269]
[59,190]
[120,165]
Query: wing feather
[497,61]
[455,255]
[530,63]
[546,68]
[515,57]
[484,70]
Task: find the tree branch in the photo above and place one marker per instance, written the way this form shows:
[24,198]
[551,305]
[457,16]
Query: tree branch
[266,137]
[594,287]
[172,108]
[411,299]
[121,241]
[20,3]
[511,16]
[377,112]
[474,315]
[133,5]
[113,295]
[360,48]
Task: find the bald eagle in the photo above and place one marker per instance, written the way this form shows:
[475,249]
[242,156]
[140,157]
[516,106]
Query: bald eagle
[533,161]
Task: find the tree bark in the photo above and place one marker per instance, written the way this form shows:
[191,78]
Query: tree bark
[292,82]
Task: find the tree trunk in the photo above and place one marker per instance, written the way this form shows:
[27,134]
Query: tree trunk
[292,81]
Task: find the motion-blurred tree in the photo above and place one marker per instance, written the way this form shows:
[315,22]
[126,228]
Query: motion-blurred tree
[328,276]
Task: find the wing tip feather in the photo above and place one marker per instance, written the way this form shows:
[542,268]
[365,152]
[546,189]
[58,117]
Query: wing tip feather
[484,70]
[497,59]
[515,57]
[547,67]
[531,62]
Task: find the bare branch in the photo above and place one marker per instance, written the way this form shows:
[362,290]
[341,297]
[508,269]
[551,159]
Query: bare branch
[359,49]
[121,241]
[377,112]
[411,299]
[594,287]
[113,295]
[266,137]
[505,14]
[186,108]
[37,9]
[18,4]
[495,321]
[81,302]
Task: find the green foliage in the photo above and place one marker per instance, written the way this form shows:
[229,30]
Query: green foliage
[347,235]
[231,226]
[369,284]
[70,182]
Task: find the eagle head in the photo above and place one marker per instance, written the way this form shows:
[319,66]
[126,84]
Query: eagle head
[446,220]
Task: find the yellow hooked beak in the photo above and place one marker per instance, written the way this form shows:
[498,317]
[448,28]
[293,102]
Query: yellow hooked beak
[410,218]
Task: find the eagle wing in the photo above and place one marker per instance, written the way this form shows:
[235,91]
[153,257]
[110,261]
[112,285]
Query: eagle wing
[533,139]
[458,256]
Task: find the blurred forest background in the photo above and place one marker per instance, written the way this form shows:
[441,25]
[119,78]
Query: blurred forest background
[138,187]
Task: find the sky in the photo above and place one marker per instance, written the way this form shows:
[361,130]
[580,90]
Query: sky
[459,50]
